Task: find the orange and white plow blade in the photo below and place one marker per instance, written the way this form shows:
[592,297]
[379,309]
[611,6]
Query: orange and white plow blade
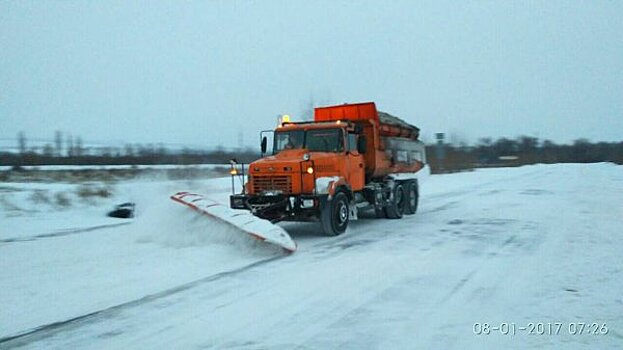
[260,229]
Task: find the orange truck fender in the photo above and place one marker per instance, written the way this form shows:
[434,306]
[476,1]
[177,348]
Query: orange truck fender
[330,184]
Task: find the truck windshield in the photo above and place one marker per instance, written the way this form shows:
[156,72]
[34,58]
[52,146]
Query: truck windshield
[319,140]
[288,140]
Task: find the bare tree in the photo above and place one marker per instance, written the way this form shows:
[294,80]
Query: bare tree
[485,141]
[458,139]
[129,150]
[21,142]
[58,142]
[527,144]
[78,147]
[70,146]
[48,150]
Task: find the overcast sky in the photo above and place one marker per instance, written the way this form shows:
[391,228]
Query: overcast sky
[199,73]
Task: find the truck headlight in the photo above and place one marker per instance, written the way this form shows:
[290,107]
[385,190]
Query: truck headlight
[310,170]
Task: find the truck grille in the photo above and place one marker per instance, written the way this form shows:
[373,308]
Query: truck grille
[272,183]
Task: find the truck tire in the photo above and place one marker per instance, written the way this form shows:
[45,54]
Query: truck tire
[334,215]
[412,198]
[396,208]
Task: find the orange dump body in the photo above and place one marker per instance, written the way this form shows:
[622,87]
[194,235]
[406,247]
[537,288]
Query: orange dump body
[393,145]
[387,124]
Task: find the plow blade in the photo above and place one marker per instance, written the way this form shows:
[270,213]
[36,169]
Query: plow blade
[257,228]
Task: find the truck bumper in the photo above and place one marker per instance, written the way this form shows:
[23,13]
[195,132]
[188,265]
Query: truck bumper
[279,207]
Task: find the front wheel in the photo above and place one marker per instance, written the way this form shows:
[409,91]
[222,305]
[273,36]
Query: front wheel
[334,215]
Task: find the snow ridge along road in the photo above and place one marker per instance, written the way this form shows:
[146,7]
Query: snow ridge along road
[536,244]
[60,233]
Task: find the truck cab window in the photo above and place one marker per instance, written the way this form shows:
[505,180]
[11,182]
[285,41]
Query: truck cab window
[288,140]
[325,140]
[352,142]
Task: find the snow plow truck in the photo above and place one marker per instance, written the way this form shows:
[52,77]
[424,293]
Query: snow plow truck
[351,157]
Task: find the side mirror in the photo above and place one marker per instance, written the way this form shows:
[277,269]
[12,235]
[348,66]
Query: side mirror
[362,145]
[264,142]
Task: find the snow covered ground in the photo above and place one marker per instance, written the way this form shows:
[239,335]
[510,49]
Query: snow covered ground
[536,244]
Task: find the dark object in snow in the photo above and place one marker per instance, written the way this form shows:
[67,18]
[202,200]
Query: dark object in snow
[123,211]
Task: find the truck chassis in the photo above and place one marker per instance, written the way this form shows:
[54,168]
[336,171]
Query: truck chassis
[388,198]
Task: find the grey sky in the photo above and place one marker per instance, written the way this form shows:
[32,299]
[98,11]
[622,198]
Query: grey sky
[200,72]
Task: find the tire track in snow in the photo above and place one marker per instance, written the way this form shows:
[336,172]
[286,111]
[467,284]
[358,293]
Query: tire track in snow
[493,252]
[468,190]
[54,328]
[61,233]
[461,281]
[452,198]
[51,329]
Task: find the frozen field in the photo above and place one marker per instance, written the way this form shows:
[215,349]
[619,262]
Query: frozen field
[537,244]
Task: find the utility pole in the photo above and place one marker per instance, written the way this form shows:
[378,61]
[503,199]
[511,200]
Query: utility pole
[440,150]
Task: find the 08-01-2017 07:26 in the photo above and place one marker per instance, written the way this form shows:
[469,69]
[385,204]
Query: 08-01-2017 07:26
[541,328]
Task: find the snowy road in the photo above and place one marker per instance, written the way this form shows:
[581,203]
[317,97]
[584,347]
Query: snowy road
[536,244]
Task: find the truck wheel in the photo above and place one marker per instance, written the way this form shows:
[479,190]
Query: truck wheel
[334,215]
[397,206]
[413,197]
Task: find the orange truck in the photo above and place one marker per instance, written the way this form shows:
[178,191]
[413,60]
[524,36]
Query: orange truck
[350,158]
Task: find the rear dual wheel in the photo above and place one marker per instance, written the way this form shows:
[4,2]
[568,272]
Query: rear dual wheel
[404,202]
[413,197]
[396,207]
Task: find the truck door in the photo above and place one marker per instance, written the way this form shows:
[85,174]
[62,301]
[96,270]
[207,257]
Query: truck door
[355,169]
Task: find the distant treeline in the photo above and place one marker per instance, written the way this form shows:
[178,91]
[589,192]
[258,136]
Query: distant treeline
[520,151]
[442,157]
[147,156]
[69,150]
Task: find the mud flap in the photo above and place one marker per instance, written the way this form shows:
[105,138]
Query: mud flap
[352,211]
[257,228]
